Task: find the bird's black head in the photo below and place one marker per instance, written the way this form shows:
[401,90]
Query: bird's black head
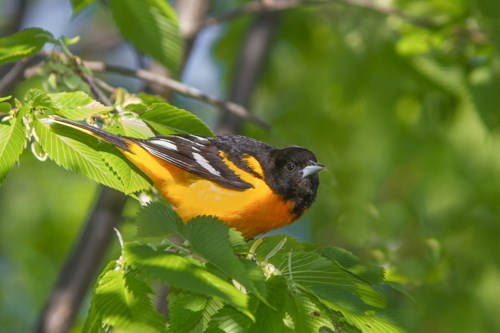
[293,173]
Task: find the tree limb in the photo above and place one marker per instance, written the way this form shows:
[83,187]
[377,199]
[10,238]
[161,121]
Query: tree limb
[177,86]
[251,60]
[82,265]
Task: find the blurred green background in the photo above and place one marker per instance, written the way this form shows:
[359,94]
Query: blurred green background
[405,116]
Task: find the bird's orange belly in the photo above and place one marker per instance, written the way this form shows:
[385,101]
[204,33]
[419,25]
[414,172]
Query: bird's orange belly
[252,211]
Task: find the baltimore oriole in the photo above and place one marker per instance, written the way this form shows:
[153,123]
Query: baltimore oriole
[248,184]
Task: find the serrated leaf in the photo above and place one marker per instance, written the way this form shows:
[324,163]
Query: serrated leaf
[76,105]
[237,241]
[128,124]
[82,155]
[12,141]
[79,5]
[155,30]
[342,256]
[186,311]
[270,319]
[94,322]
[263,247]
[167,120]
[316,273]
[370,322]
[307,315]
[38,98]
[130,177]
[184,273]
[23,44]
[216,249]
[228,320]
[158,219]
[122,300]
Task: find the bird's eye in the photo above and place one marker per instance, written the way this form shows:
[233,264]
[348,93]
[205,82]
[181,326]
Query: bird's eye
[290,166]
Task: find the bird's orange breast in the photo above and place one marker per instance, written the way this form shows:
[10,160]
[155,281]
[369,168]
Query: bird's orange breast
[252,211]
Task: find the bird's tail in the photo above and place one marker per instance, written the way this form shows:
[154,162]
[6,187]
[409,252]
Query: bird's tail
[98,133]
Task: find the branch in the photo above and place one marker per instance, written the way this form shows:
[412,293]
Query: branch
[257,7]
[82,264]
[177,86]
[251,61]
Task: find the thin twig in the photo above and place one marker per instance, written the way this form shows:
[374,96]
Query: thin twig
[257,7]
[96,90]
[15,73]
[177,86]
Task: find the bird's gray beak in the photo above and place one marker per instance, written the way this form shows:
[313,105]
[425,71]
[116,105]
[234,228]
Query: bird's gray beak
[312,169]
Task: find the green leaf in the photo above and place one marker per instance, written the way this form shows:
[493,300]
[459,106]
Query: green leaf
[80,153]
[371,322]
[228,320]
[216,249]
[122,301]
[131,178]
[186,310]
[270,318]
[94,322]
[264,249]
[4,108]
[128,124]
[38,98]
[155,30]
[237,242]
[159,220]
[79,5]
[184,273]
[6,98]
[12,141]
[326,279]
[23,44]
[167,120]
[76,105]
[307,315]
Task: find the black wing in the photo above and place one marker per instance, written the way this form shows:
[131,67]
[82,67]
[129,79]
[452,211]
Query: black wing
[198,155]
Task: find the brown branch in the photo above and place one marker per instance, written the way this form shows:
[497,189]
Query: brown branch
[258,7]
[82,264]
[251,60]
[15,73]
[177,86]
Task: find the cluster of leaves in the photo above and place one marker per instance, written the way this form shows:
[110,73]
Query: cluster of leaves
[222,283]
[219,283]
[30,120]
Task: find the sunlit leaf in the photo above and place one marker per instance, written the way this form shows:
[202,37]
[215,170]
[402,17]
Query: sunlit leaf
[122,300]
[308,315]
[76,105]
[155,30]
[82,155]
[159,219]
[186,310]
[184,273]
[168,119]
[216,249]
[12,140]
[23,44]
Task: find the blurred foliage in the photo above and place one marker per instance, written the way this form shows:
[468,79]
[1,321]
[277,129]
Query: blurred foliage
[406,119]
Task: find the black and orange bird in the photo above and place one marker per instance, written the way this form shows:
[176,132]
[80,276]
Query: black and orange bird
[248,184]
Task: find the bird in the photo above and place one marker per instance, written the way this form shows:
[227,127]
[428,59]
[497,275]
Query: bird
[247,184]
